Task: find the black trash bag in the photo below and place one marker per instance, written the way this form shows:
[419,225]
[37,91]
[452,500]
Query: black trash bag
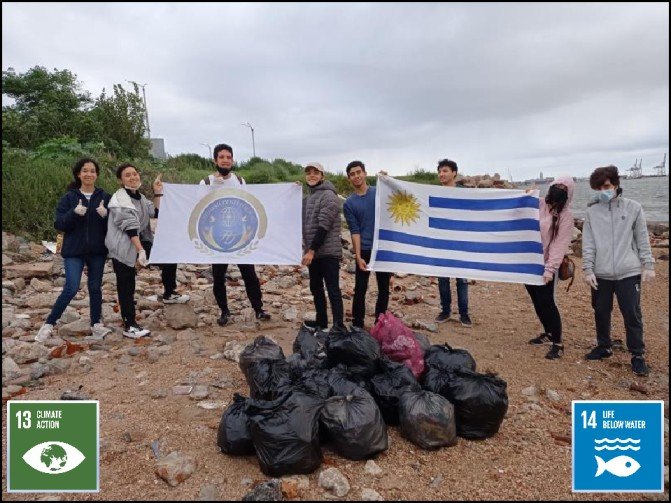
[340,384]
[314,382]
[480,403]
[445,357]
[354,425]
[268,379]
[233,436]
[309,345]
[285,433]
[393,379]
[423,340]
[427,419]
[261,349]
[356,349]
[437,380]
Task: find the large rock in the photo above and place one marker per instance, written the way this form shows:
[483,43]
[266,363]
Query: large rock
[180,316]
[40,300]
[40,286]
[485,184]
[79,328]
[26,352]
[28,270]
[10,370]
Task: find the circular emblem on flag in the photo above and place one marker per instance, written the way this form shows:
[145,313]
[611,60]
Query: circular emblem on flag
[227,221]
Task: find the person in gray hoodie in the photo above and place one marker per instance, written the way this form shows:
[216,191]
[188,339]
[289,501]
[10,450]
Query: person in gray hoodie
[616,258]
[321,245]
[127,230]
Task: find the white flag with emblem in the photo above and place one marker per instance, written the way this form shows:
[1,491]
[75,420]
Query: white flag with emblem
[250,224]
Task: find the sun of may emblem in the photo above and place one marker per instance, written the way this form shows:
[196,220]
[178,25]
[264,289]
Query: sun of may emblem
[403,208]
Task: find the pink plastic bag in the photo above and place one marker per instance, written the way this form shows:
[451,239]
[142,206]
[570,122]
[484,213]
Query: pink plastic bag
[398,343]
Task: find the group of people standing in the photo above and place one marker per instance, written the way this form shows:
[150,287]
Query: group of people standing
[616,251]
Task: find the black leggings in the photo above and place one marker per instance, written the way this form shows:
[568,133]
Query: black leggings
[543,297]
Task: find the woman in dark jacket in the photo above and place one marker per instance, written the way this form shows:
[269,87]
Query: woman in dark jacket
[81,215]
[322,246]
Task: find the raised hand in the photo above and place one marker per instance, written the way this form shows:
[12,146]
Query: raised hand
[102,211]
[80,209]
[158,185]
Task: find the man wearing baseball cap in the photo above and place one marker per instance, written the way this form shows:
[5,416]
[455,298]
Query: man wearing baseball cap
[321,245]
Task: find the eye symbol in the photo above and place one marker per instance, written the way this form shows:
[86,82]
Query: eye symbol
[53,457]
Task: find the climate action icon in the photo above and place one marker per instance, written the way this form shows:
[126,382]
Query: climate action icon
[53,457]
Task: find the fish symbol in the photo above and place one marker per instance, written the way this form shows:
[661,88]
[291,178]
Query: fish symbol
[621,466]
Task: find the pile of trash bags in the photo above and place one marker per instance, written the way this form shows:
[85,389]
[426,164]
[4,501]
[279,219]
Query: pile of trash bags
[345,387]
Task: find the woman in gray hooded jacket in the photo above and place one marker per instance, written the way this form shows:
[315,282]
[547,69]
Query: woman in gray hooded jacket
[127,230]
[321,245]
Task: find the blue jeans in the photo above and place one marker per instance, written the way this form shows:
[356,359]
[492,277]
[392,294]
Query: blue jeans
[446,295]
[74,266]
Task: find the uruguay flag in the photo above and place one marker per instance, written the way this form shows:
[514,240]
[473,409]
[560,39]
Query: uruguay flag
[431,230]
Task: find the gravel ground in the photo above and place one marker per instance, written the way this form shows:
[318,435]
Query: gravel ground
[529,459]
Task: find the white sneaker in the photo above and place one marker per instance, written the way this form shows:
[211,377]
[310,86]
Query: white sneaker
[135,332]
[176,298]
[99,331]
[44,332]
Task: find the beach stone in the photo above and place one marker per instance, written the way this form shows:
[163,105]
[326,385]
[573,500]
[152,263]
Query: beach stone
[372,468]
[180,316]
[175,468]
[370,495]
[334,481]
[270,490]
[79,328]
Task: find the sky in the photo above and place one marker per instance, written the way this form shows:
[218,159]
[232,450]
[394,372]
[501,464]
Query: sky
[515,89]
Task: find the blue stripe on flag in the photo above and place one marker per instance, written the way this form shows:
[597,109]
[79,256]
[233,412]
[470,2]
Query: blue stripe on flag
[520,224]
[467,246]
[390,256]
[483,204]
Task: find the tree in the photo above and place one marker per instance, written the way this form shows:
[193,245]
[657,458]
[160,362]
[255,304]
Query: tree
[47,105]
[121,120]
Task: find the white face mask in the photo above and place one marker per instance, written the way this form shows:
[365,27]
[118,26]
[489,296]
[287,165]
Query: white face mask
[132,188]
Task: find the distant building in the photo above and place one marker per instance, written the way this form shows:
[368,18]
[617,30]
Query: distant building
[541,177]
[158,148]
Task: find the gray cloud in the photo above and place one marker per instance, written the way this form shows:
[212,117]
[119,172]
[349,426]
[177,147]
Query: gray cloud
[497,87]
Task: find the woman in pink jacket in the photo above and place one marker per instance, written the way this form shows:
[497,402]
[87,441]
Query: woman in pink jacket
[556,230]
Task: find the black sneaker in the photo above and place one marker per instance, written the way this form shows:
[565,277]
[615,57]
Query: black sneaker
[556,351]
[541,339]
[442,317]
[223,319]
[466,321]
[638,366]
[599,353]
[262,315]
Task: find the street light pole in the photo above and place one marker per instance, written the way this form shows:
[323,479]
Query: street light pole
[208,146]
[253,144]
[144,101]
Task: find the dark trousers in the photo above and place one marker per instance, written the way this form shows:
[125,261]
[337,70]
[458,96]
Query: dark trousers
[543,297]
[326,271]
[125,288]
[446,295]
[360,287]
[251,280]
[74,266]
[628,293]
[168,273]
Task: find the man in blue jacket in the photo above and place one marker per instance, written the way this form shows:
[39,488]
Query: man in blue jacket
[359,210]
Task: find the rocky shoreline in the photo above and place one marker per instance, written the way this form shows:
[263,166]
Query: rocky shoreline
[162,397]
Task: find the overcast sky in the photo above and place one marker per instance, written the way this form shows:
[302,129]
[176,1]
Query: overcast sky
[518,88]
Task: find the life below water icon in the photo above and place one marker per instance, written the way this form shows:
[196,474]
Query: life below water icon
[621,466]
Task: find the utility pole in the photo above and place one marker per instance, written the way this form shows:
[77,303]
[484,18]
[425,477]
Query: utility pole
[144,101]
[252,129]
[208,146]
